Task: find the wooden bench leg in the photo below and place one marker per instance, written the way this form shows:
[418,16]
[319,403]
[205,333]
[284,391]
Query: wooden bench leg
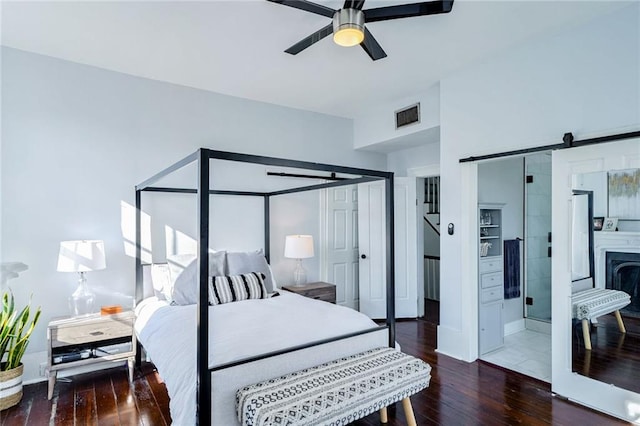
[408,412]
[620,323]
[383,415]
[586,334]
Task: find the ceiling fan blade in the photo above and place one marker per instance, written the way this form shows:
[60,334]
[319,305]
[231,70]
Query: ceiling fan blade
[307,6]
[353,4]
[308,41]
[407,10]
[371,46]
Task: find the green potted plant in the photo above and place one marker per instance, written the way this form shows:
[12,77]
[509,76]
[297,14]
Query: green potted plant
[15,330]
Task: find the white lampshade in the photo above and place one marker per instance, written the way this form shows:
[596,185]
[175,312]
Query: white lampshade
[81,256]
[298,246]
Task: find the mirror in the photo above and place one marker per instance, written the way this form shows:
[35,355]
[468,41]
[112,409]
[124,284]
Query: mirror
[605,259]
[582,235]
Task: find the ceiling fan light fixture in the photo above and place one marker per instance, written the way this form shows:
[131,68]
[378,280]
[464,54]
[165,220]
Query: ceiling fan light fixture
[348,27]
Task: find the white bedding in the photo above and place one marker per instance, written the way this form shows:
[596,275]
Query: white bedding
[240,330]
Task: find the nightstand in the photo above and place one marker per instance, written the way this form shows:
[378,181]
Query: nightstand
[80,341]
[318,290]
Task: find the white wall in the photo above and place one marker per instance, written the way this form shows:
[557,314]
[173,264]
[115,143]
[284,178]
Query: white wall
[584,80]
[501,181]
[401,161]
[75,141]
[376,125]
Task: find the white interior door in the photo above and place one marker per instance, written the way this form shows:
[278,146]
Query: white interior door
[406,247]
[342,244]
[372,243]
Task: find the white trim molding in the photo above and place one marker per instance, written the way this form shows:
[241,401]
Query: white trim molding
[424,171]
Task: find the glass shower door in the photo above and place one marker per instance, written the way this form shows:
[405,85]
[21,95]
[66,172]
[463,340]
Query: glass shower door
[538,236]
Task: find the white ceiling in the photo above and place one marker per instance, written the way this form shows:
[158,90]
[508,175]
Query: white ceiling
[236,47]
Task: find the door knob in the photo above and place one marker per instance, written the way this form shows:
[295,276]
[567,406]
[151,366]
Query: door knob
[363,256]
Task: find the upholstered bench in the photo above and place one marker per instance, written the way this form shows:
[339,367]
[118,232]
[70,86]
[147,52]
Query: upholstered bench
[594,302]
[337,392]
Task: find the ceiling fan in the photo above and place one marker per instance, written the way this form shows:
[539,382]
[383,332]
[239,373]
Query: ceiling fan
[348,26]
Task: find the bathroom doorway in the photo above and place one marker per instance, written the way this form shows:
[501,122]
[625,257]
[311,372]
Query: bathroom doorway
[522,186]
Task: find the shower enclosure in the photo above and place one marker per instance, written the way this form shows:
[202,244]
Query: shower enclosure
[538,236]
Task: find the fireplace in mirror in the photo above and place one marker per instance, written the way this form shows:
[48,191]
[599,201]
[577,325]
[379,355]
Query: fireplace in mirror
[623,273]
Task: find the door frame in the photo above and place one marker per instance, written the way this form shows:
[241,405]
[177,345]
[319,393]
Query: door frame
[431,170]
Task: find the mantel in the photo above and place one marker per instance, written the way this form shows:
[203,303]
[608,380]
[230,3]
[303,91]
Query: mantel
[603,238]
[605,241]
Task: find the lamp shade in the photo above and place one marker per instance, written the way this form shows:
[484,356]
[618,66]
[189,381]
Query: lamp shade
[298,246]
[81,256]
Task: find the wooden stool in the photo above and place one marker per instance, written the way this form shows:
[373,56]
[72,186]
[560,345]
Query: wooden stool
[594,302]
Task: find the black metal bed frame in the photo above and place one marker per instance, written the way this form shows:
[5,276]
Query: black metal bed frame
[203,192]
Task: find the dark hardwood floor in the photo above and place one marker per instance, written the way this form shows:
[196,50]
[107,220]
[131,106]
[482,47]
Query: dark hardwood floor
[432,311]
[460,394]
[614,357]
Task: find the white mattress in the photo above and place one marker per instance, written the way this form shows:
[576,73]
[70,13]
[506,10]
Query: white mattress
[241,330]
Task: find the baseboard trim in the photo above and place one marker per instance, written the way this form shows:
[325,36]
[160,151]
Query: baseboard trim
[539,326]
[514,327]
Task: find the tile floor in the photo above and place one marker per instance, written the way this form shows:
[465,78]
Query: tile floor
[527,352]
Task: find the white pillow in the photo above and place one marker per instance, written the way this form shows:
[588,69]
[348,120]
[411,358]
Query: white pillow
[178,263]
[244,262]
[161,280]
[185,287]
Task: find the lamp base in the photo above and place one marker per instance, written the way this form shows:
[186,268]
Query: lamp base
[81,301]
[299,275]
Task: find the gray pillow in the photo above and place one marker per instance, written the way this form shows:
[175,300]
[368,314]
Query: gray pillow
[185,288]
[244,262]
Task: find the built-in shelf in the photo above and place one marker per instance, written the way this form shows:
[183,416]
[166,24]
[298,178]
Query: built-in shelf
[490,279]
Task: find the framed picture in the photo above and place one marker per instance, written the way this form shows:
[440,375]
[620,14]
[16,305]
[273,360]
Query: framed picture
[597,223]
[624,194]
[610,224]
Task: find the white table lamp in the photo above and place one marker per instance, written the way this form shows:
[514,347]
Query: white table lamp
[81,256]
[298,247]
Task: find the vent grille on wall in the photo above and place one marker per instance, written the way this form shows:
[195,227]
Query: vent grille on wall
[407,116]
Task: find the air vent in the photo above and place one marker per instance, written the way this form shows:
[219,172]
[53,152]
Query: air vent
[407,116]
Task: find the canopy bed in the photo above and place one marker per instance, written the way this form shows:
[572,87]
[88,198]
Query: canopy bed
[237,344]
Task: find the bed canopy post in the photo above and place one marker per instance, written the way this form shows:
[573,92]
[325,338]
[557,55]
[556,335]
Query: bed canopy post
[267,230]
[203,376]
[391,294]
[139,287]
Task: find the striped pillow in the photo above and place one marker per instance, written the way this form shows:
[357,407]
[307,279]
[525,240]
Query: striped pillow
[233,288]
